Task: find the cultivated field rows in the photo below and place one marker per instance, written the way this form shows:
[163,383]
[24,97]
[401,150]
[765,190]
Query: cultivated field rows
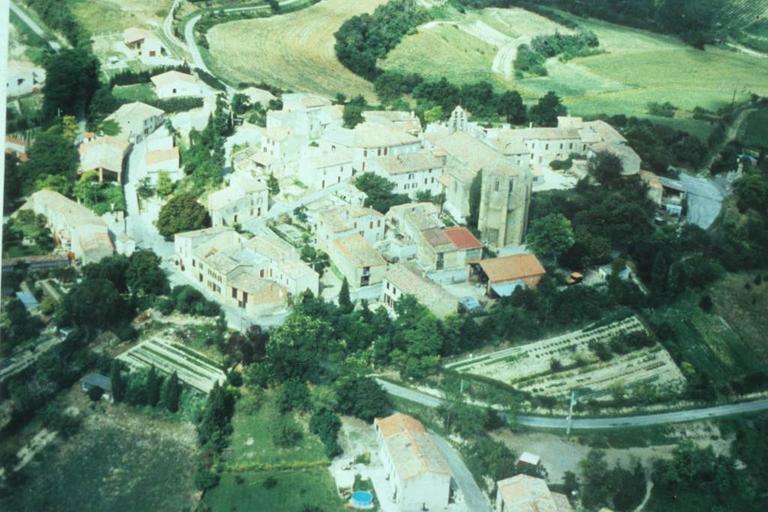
[192,367]
[652,366]
[530,367]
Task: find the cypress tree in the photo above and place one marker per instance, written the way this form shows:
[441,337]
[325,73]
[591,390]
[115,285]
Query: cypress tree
[118,381]
[345,302]
[154,387]
[172,393]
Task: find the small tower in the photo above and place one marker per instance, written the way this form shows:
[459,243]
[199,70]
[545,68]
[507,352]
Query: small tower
[504,202]
[458,120]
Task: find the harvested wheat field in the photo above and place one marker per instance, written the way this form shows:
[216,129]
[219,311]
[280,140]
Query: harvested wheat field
[293,51]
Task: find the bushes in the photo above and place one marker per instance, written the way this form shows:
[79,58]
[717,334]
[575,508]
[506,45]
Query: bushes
[129,77]
[181,213]
[171,105]
[325,424]
[187,300]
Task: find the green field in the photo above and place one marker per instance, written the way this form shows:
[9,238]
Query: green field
[251,441]
[109,467]
[107,16]
[743,304]
[754,132]
[707,341]
[299,474]
[636,67]
[294,490]
[134,92]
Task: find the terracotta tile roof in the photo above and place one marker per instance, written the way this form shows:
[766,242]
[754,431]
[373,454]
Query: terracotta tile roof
[411,448]
[509,268]
[398,423]
[462,238]
[162,155]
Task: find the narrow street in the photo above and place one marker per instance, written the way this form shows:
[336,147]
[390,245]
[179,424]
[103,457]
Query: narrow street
[474,498]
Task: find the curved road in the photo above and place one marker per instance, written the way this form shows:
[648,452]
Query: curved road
[598,423]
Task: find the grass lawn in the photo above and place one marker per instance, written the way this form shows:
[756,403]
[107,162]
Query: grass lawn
[105,16]
[745,308]
[134,92]
[251,441]
[300,472]
[293,490]
[293,51]
[754,131]
[707,341]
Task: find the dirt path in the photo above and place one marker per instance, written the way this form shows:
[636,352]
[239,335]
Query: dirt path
[648,489]
[730,135]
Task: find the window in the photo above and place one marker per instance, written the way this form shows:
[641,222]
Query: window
[496,183]
[370,225]
[261,273]
[245,298]
[234,293]
[546,147]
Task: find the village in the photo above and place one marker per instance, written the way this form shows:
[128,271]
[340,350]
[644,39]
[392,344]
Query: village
[237,295]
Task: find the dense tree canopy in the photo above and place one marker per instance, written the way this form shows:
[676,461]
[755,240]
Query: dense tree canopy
[379,192]
[546,111]
[181,213]
[363,39]
[52,163]
[94,302]
[72,78]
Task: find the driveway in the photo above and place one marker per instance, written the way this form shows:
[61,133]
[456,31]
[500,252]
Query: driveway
[37,29]
[474,499]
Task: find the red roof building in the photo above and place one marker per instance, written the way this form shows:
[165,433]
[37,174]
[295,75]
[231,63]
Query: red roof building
[462,238]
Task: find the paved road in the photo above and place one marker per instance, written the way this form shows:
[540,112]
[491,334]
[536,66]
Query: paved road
[645,420]
[37,29]
[474,498]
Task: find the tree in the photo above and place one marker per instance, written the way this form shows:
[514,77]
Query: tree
[154,387]
[273,185]
[113,268]
[12,183]
[214,425]
[475,193]
[596,487]
[181,213]
[144,275]
[315,258]
[293,394]
[361,397]
[326,425]
[164,184]
[72,78]
[345,303]
[546,111]
[353,111]
[511,106]
[379,192]
[433,114]
[51,156]
[607,169]
[551,235]
[171,395]
[93,303]
[490,458]
[119,385]
[16,323]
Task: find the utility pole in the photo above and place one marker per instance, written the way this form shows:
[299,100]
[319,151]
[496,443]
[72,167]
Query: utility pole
[570,413]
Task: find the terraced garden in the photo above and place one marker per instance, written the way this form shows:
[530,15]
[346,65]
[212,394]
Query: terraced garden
[555,366]
[194,368]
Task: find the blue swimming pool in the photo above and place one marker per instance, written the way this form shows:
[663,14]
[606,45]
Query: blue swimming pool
[362,500]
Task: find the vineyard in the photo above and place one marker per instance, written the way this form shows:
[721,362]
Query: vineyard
[192,367]
[579,360]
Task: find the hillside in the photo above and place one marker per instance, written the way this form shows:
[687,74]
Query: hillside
[635,67]
[293,51]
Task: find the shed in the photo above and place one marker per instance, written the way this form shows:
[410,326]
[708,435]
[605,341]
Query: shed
[97,380]
[29,301]
[505,274]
